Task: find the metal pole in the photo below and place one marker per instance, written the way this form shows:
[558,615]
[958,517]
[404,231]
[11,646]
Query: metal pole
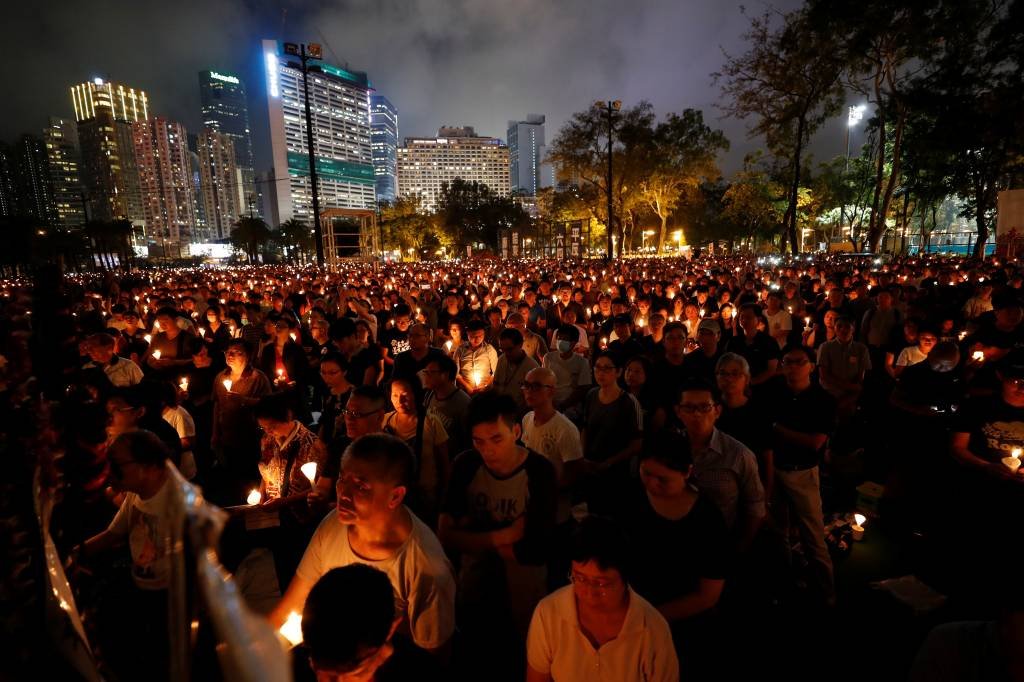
[317,232]
[610,220]
[846,171]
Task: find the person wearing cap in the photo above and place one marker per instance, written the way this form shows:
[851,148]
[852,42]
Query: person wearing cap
[700,364]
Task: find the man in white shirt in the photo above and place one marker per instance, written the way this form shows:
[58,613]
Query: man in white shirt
[122,372]
[572,371]
[371,525]
[780,321]
[476,360]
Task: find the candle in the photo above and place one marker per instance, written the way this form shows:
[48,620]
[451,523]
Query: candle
[858,526]
[978,356]
[280,375]
[254,497]
[183,384]
[476,376]
[291,630]
[156,354]
[962,335]
[701,312]
[1013,461]
[309,470]
[294,337]
[148,338]
[448,346]
[807,321]
[641,322]
[202,332]
[604,342]
[227,385]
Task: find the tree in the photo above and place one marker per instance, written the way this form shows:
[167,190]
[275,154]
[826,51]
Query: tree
[580,153]
[250,235]
[403,226]
[789,81]
[682,157]
[297,237]
[754,203]
[472,212]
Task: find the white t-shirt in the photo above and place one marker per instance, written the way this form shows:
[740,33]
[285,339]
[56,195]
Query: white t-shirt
[419,572]
[781,321]
[569,373]
[643,649]
[559,441]
[147,525]
[181,420]
[911,355]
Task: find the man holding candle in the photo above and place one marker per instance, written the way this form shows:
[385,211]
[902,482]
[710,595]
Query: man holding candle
[476,360]
[371,525]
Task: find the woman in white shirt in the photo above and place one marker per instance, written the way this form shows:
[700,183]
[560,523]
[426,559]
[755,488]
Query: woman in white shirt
[598,628]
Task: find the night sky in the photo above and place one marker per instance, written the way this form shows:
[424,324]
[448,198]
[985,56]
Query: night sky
[451,62]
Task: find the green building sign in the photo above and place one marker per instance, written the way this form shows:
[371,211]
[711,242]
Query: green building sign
[332,169]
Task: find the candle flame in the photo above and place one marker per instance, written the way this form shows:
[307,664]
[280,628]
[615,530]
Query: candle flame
[156,354]
[476,376]
[978,355]
[859,519]
[227,384]
[292,628]
[148,338]
[1016,453]
[254,497]
[309,471]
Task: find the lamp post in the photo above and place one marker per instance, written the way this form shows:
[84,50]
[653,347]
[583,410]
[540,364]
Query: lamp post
[854,115]
[315,52]
[610,106]
[643,239]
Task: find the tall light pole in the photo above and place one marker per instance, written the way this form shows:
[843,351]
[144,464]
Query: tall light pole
[315,52]
[854,115]
[609,106]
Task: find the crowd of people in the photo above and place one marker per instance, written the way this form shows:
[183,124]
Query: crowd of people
[550,470]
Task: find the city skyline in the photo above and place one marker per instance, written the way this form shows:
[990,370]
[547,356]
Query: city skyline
[445,63]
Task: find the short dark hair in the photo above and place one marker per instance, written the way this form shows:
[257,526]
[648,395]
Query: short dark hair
[487,408]
[476,325]
[371,394]
[668,447]
[445,365]
[143,446]
[274,406]
[391,456]
[337,358]
[336,642]
[796,348]
[341,328]
[697,384]
[401,310]
[513,335]
[603,541]
[239,343]
[569,332]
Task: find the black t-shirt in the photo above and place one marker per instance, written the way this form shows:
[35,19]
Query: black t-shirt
[811,411]
[995,427]
[395,341]
[407,367]
[921,385]
[758,353]
[665,379]
[700,366]
[749,424]
[676,554]
[360,362]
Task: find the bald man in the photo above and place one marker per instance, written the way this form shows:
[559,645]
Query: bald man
[550,433]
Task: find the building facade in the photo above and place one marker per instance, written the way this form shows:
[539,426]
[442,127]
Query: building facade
[226,110]
[64,159]
[105,112]
[384,142]
[426,163]
[161,150]
[220,178]
[340,110]
[526,149]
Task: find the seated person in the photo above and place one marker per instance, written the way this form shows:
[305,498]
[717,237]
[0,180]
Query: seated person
[599,617]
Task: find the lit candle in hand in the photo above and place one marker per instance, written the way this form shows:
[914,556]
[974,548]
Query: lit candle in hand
[227,385]
[448,346]
[858,526]
[309,471]
[183,384]
[476,376]
[254,497]
[1013,461]
[291,630]
[978,356]
[202,332]
[147,338]
[156,354]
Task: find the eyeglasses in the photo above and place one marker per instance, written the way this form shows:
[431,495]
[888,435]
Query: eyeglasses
[533,386]
[358,415]
[690,408]
[599,586]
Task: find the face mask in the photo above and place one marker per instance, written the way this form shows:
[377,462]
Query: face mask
[564,346]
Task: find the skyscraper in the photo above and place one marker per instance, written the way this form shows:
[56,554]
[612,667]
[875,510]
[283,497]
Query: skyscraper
[384,141]
[341,124]
[161,149]
[220,177]
[425,163]
[105,113]
[226,110]
[61,139]
[25,189]
[526,149]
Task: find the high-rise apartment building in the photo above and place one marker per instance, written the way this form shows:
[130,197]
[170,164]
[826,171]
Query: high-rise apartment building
[526,149]
[161,150]
[226,111]
[25,190]
[384,141]
[64,159]
[340,110]
[220,178]
[426,163]
[105,113]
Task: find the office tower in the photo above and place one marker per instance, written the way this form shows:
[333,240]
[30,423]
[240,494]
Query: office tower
[161,150]
[226,111]
[202,231]
[64,159]
[425,163]
[9,203]
[340,112]
[384,141]
[221,179]
[25,189]
[105,113]
[526,149]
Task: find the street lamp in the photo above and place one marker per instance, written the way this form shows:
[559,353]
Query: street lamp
[643,239]
[678,236]
[315,52]
[854,115]
[609,106]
